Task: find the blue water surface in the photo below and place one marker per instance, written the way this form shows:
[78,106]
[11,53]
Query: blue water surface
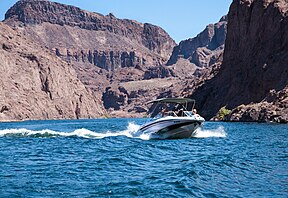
[104,158]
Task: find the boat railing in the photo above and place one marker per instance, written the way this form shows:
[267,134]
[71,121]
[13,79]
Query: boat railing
[174,114]
[188,113]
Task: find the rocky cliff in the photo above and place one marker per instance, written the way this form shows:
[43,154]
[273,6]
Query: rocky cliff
[105,51]
[35,84]
[254,62]
[105,41]
[203,50]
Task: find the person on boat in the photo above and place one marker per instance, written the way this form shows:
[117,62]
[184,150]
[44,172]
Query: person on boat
[180,112]
[194,112]
[165,110]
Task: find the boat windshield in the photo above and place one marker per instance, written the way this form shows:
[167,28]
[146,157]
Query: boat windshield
[176,107]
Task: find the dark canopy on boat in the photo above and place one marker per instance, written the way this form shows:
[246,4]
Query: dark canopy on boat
[172,100]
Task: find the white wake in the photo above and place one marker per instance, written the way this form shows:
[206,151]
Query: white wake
[83,133]
[205,133]
[130,131]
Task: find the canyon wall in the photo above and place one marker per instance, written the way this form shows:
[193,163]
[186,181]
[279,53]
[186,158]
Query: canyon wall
[105,41]
[35,84]
[254,62]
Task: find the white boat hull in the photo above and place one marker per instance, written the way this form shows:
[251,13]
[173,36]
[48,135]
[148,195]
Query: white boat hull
[172,127]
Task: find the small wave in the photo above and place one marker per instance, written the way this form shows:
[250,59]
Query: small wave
[83,133]
[45,133]
[205,133]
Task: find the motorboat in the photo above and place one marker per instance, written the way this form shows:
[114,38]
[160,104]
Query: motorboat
[172,118]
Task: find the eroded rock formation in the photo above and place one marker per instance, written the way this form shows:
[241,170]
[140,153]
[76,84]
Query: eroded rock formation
[203,50]
[35,84]
[105,41]
[254,63]
[274,108]
[122,61]
[104,50]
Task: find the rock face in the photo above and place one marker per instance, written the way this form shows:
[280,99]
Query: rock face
[254,63]
[35,84]
[130,98]
[273,108]
[203,50]
[105,51]
[114,98]
[79,35]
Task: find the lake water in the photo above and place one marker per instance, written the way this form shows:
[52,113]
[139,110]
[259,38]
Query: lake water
[103,158]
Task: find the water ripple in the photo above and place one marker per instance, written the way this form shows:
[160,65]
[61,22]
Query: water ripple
[103,158]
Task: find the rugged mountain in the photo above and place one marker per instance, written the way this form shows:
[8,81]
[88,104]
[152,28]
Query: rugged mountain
[105,51]
[203,50]
[36,84]
[105,41]
[254,63]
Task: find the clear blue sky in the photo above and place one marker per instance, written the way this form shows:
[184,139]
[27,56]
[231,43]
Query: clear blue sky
[182,19]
